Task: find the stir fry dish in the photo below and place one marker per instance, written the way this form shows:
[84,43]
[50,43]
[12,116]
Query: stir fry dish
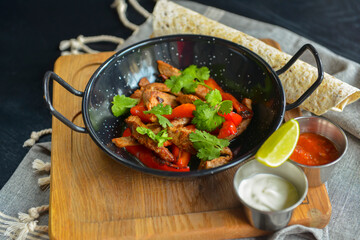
[187,116]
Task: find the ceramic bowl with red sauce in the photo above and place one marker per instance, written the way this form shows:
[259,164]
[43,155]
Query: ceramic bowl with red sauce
[321,145]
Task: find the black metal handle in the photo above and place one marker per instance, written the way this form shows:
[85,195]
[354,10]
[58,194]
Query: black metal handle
[318,81]
[53,76]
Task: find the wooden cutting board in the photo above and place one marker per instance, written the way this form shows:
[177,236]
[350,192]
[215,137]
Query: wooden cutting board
[94,197]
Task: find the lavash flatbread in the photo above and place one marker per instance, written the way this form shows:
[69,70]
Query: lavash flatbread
[332,94]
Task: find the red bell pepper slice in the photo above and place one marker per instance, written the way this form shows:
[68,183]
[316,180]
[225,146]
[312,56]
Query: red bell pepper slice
[228,128]
[184,110]
[191,127]
[147,157]
[233,117]
[236,104]
[182,158]
[213,84]
[240,108]
[138,110]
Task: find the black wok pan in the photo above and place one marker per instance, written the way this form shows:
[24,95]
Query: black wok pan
[236,69]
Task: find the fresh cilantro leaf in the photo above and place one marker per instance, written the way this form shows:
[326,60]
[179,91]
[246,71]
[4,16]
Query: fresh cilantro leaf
[174,84]
[189,85]
[122,104]
[144,130]
[208,153]
[190,70]
[199,103]
[203,73]
[225,107]
[184,82]
[160,110]
[161,137]
[163,121]
[213,97]
[207,145]
[188,80]
[171,83]
[177,83]
[206,117]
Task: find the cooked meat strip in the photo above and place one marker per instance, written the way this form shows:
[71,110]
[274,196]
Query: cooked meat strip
[151,98]
[155,127]
[186,98]
[180,122]
[245,122]
[247,102]
[167,70]
[247,113]
[137,94]
[125,141]
[201,91]
[227,156]
[143,82]
[153,118]
[157,86]
[148,87]
[180,137]
[163,76]
[240,129]
[133,122]
[162,88]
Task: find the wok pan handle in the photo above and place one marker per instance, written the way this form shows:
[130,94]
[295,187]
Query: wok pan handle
[318,81]
[52,76]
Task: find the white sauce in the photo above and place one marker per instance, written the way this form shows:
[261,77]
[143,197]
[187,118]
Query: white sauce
[268,192]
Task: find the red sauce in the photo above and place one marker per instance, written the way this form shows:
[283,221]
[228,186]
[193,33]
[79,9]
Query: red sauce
[314,150]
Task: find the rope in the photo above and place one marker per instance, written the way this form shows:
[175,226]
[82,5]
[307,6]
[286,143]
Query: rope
[34,137]
[44,183]
[121,7]
[40,166]
[33,213]
[27,223]
[79,44]
[139,8]
[20,229]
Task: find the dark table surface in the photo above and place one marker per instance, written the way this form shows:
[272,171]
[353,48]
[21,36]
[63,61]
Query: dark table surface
[31,31]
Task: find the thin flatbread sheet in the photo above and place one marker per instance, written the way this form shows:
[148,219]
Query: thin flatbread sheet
[333,94]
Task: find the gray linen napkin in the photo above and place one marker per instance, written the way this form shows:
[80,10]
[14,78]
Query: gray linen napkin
[21,192]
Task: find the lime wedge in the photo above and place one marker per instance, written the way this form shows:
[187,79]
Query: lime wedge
[280,145]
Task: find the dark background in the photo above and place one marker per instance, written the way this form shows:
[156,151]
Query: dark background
[30,33]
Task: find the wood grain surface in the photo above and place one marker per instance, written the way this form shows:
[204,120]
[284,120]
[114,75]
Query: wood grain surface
[94,197]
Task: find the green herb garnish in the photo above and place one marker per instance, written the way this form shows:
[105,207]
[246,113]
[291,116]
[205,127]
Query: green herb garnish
[160,110]
[189,79]
[207,145]
[213,98]
[122,104]
[206,114]
[206,117]
[201,74]
[161,137]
